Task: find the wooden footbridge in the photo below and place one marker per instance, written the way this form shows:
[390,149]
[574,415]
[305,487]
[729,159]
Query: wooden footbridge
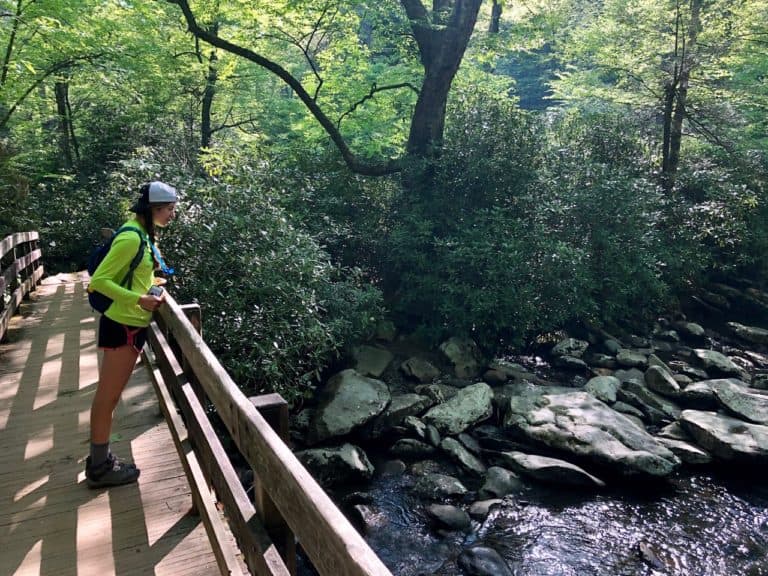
[189,513]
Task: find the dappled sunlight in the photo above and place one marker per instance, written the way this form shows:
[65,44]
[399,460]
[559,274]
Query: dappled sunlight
[135,390]
[39,443]
[51,523]
[84,419]
[94,537]
[50,373]
[89,359]
[148,482]
[5,412]
[31,563]
[9,386]
[45,396]
[30,488]
[26,513]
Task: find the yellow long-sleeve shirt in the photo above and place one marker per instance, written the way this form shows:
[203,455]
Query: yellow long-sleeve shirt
[106,279]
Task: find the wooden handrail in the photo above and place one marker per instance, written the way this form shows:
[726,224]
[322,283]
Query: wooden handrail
[258,551]
[20,270]
[332,544]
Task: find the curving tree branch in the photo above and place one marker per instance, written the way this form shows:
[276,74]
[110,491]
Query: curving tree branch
[373,91]
[367,168]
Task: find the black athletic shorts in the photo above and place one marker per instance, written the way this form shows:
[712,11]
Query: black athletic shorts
[113,335]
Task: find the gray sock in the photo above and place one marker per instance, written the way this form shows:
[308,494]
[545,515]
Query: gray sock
[99,453]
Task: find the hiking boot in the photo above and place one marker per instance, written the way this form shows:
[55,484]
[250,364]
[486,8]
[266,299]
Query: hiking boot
[112,472]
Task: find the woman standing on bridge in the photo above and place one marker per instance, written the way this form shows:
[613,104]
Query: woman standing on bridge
[123,326]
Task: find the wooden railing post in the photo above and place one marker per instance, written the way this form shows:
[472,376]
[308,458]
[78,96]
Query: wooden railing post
[274,409]
[15,280]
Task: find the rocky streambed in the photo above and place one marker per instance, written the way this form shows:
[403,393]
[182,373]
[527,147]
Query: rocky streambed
[606,455]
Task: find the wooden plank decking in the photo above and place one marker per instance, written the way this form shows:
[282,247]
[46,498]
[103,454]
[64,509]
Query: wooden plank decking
[50,522]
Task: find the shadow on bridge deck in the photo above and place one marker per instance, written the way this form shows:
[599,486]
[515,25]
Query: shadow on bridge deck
[50,522]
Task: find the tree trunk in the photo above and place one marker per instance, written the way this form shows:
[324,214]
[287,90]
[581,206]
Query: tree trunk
[493,27]
[206,128]
[10,45]
[681,99]
[441,49]
[676,132]
[72,137]
[669,102]
[428,122]
[65,150]
[675,110]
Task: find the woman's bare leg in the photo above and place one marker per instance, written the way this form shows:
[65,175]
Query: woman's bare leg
[116,368]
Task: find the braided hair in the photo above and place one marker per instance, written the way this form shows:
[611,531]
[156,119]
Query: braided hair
[144,212]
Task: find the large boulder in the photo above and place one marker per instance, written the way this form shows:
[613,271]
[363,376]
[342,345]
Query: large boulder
[514,372]
[603,388]
[411,448]
[601,361]
[742,403]
[450,517]
[689,329]
[680,367]
[569,363]
[438,486]
[718,364]
[630,375]
[660,380]
[550,470]
[483,561]
[650,401]
[654,360]
[701,395]
[436,392]
[631,359]
[579,424]
[686,451]
[398,410]
[522,390]
[419,369]
[465,356]
[371,360]
[760,360]
[570,347]
[727,438]
[348,401]
[499,482]
[749,333]
[463,457]
[338,465]
[470,405]
[482,508]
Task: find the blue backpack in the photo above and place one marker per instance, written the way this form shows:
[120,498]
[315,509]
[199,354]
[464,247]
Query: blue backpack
[97,300]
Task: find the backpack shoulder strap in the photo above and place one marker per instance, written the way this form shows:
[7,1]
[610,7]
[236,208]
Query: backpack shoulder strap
[128,280]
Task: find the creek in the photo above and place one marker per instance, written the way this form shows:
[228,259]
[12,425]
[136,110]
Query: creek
[709,520]
[700,524]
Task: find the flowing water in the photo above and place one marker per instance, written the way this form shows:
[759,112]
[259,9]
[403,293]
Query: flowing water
[698,525]
[700,522]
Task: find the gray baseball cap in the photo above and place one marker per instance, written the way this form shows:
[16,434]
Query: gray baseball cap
[155,193]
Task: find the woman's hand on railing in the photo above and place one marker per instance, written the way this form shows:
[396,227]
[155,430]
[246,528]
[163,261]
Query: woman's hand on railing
[150,303]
